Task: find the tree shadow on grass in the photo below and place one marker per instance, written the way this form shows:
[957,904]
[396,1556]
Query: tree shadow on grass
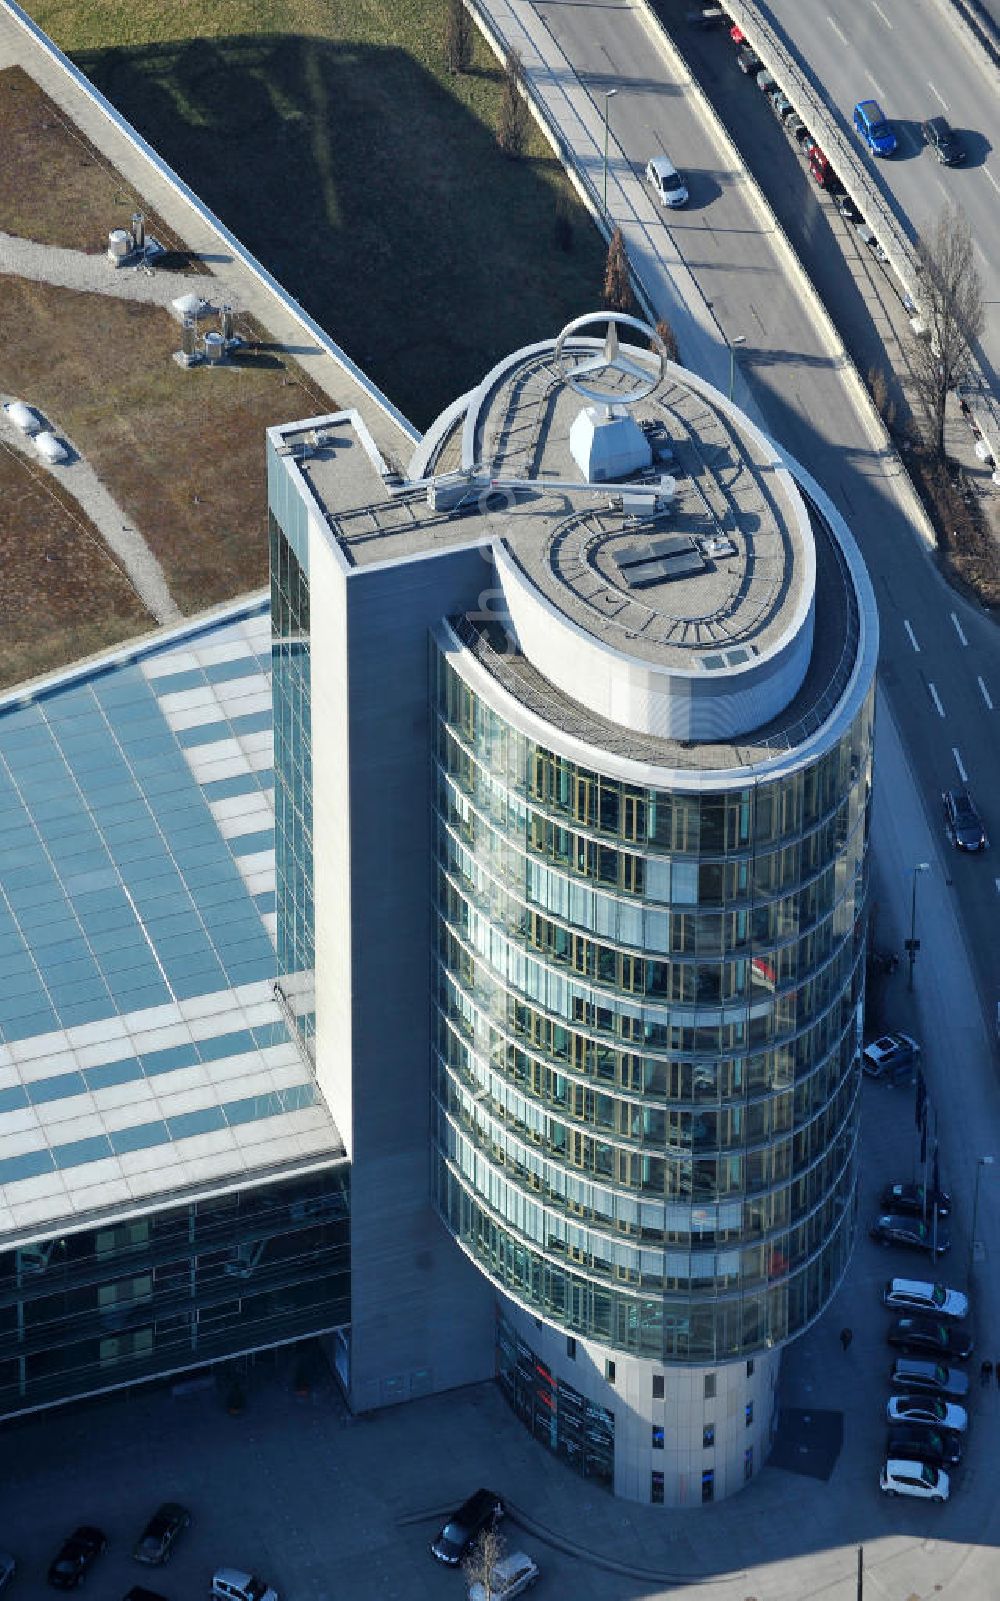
[372,193]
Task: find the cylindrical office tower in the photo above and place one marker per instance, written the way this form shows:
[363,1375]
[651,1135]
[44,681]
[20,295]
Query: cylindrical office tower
[653,750]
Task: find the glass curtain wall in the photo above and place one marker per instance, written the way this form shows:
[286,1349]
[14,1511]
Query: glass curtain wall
[646,1102]
[293,776]
[194,1283]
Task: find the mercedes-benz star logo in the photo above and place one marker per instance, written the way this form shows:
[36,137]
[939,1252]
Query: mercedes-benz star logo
[611,360]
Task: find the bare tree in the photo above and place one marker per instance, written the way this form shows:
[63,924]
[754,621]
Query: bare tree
[669,338]
[512,124]
[457,36]
[489,1549]
[618,294]
[949,292]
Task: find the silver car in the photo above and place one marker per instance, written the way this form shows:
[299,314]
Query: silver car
[920,1295]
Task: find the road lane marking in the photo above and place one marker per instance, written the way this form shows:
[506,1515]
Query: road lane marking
[875,83]
[992,179]
[878,8]
[963,775]
[936,698]
[958,629]
[913,637]
[936,95]
[838,31]
[986,694]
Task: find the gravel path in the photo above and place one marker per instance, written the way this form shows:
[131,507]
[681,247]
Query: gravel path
[73,269]
[143,570]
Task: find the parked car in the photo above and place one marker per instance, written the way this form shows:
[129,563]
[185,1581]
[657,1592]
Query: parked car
[848,210]
[511,1576]
[481,1511]
[917,1441]
[157,1539]
[748,60]
[867,236]
[231,1584]
[736,34]
[766,81]
[919,1295]
[908,1200]
[944,141]
[888,1054]
[671,190]
[794,125]
[911,1373]
[76,1556]
[906,1477]
[780,104]
[912,1233]
[917,1333]
[707,17]
[8,1568]
[873,128]
[962,821]
[928,1409]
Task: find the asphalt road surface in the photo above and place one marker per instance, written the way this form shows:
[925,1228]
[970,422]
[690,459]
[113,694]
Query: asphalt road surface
[915,59]
[939,657]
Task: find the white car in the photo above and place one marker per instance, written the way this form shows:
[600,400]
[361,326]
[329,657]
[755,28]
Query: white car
[920,1295]
[510,1577]
[914,1478]
[671,190]
[929,1409]
[888,1054]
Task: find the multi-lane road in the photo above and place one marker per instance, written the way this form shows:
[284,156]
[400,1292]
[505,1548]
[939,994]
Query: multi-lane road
[940,657]
[918,61]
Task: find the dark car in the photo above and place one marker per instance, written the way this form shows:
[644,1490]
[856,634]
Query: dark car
[848,210]
[907,1200]
[944,141]
[916,1441]
[910,1373]
[481,1511]
[949,1341]
[748,60]
[76,1557]
[157,1539]
[890,1228]
[962,821]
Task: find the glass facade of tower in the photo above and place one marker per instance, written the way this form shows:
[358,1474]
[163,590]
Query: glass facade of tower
[292,765]
[646,1102]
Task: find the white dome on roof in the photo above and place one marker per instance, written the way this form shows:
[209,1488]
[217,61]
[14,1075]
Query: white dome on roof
[23,417]
[50,447]
[190,305]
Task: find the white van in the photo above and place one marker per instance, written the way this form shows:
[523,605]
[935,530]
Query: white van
[229,1584]
[669,186]
[511,1576]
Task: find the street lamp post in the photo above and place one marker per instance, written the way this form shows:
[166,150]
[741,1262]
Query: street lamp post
[984,1161]
[737,339]
[913,944]
[609,94]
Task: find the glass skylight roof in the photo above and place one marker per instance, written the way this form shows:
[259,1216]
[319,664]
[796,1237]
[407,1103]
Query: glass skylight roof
[141,1044]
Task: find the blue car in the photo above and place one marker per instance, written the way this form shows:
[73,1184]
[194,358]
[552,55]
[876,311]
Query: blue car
[871,126]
